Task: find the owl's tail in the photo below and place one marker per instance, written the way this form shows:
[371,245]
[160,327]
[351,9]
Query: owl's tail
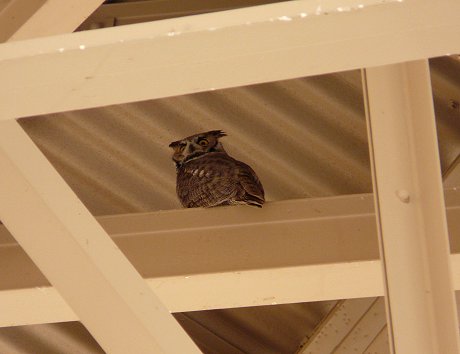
[254,200]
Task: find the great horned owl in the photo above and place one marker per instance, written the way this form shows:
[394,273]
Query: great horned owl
[207,176]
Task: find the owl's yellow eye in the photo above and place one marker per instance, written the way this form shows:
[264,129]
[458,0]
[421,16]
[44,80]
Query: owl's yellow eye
[203,142]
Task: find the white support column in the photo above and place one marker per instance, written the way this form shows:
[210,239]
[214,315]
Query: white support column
[78,257]
[410,209]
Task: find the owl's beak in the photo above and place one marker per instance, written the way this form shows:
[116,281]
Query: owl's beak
[178,157]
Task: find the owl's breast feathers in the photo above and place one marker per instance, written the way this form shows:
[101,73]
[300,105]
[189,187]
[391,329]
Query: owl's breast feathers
[218,179]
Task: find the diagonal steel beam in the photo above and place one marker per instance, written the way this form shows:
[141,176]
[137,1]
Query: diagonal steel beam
[77,256]
[38,18]
[14,14]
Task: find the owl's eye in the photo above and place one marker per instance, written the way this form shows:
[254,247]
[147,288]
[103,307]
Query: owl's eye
[181,147]
[203,142]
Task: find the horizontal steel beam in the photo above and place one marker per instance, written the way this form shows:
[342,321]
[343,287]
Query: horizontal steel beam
[198,259]
[219,50]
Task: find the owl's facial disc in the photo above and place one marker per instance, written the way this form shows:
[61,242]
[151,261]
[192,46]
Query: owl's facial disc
[196,145]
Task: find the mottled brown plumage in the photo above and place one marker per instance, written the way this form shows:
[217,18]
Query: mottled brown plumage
[207,176]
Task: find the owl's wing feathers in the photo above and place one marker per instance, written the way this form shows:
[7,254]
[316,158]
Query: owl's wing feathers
[254,191]
[202,183]
[217,179]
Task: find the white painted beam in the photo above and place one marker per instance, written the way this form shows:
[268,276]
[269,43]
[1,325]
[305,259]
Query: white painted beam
[43,304]
[422,316]
[246,256]
[78,257]
[232,251]
[283,234]
[219,50]
[21,19]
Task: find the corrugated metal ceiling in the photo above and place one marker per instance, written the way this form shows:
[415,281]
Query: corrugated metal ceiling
[304,137]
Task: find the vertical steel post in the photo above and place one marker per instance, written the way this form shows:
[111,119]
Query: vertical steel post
[410,208]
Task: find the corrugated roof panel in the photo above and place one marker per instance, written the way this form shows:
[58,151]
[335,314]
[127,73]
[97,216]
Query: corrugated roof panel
[56,338]
[277,329]
[445,77]
[304,137]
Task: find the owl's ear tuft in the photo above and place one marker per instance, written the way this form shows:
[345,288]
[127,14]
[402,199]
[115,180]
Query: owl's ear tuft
[174,144]
[217,133]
